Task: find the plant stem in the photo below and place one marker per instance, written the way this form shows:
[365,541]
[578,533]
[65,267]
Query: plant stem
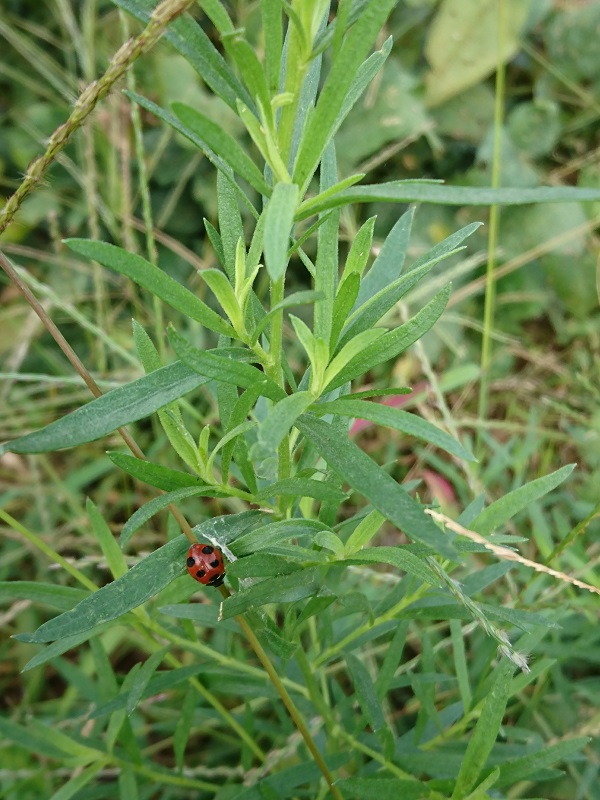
[287,700]
[161,17]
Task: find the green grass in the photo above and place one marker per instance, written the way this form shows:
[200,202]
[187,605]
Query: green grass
[344,654]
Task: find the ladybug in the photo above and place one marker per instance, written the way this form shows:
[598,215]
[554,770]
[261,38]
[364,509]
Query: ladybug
[205,564]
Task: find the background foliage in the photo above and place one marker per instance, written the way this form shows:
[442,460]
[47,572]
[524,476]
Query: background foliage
[430,113]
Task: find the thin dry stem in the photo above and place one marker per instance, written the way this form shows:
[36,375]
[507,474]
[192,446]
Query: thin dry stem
[508,555]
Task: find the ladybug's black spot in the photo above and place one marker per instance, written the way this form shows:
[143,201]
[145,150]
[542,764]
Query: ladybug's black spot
[191,561]
[207,549]
[201,573]
[215,563]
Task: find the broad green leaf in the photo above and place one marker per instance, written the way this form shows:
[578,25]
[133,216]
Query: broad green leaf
[301,487]
[395,418]
[188,38]
[356,45]
[394,342]
[486,731]
[221,143]
[389,262]
[153,279]
[269,535]
[278,228]
[156,475]
[108,544]
[399,557]
[476,46]
[46,594]
[381,490]
[105,414]
[146,579]
[510,504]
[277,424]
[218,368]
[148,510]
[285,589]
[436,192]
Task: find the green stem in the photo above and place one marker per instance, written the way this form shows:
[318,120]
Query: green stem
[287,700]
[490,280]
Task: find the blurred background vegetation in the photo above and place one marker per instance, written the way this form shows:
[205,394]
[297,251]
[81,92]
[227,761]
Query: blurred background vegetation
[429,114]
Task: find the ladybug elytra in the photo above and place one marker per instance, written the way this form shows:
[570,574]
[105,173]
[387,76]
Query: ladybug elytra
[205,564]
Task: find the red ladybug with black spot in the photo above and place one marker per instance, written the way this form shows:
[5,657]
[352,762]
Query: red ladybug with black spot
[205,564]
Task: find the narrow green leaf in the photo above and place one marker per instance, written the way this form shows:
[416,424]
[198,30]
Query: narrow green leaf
[295,299]
[388,265]
[355,347]
[188,38]
[301,487]
[231,226]
[278,228]
[262,565]
[364,532]
[148,510]
[326,266]
[147,352]
[510,504]
[365,692]
[217,14]
[370,480]
[435,192]
[200,613]
[46,594]
[79,780]
[392,659]
[395,418]
[137,586]
[34,742]
[277,424]
[142,679]
[331,100]
[383,789]
[343,303]
[221,143]
[105,414]
[55,649]
[184,725]
[251,71]
[360,250]
[156,475]
[273,41]
[269,535]
[108,544]
[305,207]
[153,279]
[486,731]
[223,291]
[519,769]
[399,557]
[215,240]
[218,368]
[285,589]
[367,315]
[394,342]
[224,170]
